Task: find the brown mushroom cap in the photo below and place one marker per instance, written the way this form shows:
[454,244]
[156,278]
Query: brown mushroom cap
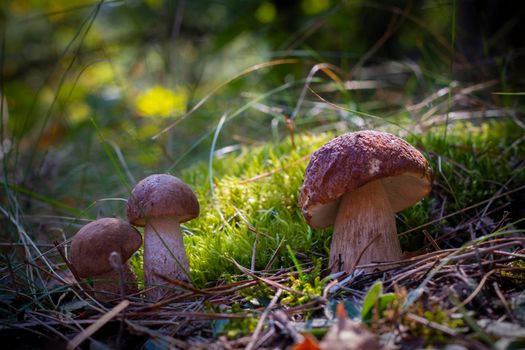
[93,243]
[161,195]
[352,160]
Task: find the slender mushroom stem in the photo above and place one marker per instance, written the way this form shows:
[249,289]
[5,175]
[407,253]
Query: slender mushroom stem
[164,254]
[107,285]
[364,230]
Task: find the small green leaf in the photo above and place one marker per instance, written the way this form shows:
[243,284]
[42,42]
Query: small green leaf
[371,299]
[385,300]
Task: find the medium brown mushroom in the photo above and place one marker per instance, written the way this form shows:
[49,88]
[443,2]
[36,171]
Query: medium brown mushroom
[160,203]
[91,249]
[357,182]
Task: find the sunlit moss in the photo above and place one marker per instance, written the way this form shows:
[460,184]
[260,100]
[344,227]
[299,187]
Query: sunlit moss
[255,196]
[306,283]
[243,199]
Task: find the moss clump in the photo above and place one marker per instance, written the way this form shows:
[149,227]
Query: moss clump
[392,315]
[252,204]
[309,283]
[235,327]
[517,275]
[470,165]
[238,328]
[246,213]
[434,315]
[260,294]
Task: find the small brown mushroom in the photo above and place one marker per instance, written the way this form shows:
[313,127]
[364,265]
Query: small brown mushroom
[357,182]
[160,203]
[91,249]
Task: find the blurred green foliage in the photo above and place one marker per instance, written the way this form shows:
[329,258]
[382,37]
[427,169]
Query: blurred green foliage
[252,211]
[66,62]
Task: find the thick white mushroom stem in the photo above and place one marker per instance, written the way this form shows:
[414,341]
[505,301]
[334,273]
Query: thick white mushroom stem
[364,229]
[107,285]
[164,254]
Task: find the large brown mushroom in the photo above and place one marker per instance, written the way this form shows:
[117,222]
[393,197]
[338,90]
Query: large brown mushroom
[91,249]
[160,203]
[357,182]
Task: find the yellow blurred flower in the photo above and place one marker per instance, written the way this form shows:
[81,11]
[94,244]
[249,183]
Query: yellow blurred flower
[159,101]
